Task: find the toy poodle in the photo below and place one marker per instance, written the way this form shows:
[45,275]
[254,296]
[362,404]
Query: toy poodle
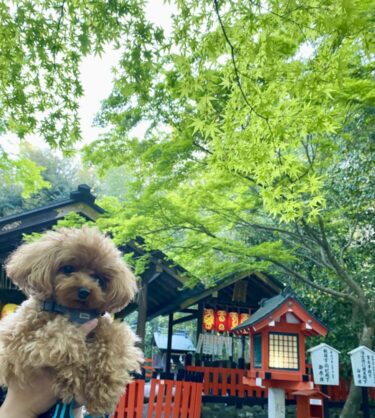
[70,277]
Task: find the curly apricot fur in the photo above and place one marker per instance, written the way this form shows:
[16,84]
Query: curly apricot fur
[96,368]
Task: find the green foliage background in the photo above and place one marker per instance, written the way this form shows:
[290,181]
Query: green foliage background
[259,151]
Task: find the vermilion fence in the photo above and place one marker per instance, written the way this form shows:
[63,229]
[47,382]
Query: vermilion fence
[168,399]
[183,399]
[131,404]
[219,381]
[340,392]
[174,399]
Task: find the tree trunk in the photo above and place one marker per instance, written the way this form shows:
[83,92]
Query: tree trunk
[353,403]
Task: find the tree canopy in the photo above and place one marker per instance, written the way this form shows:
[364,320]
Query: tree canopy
[59,176]
[259,147]
[254,109]
[42,44]
[257,91]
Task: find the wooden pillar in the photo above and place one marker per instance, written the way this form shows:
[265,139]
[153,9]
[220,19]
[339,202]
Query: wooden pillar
[198,356]
[365,403]
[142,313]
[199,320]
[276,403]
[169,344]
[303,407]
[325,401]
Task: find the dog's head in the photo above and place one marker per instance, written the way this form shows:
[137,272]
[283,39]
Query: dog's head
[79,268]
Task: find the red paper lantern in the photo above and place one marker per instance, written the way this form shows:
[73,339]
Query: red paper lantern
[221,321]
[244,317]
[208,319]
[233,320]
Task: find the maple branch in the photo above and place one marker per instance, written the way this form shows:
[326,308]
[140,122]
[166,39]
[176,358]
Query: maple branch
[350,240]
[338,268]
[309,282]
[236,71]
[202,148]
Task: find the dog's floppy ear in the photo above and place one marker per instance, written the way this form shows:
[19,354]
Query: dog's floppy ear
[31,265]
[123,288]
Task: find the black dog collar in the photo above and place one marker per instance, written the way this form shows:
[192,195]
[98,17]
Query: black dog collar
[75,315]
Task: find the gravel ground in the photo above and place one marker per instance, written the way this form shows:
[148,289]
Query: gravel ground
[225,411]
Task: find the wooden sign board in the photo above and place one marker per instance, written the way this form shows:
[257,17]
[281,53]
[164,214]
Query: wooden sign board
[363,366]
[325,363]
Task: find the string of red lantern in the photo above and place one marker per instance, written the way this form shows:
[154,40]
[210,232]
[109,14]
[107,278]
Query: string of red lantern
[221,320]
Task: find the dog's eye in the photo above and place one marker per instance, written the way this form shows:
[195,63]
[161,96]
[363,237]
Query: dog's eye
[67,270]
[101,280]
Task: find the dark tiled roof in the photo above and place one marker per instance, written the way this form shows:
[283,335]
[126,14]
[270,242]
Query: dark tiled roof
[45,217]
[271,305]
[267,307]
[82,194]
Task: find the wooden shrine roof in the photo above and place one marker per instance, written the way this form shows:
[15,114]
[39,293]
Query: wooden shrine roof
[43,218]
[167,294]
[166,281]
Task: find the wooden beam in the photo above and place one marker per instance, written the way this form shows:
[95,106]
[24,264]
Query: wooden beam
[157,261]
[193,300]
[188,310]
[262,277]
[199,320]
[150,274]
[153,277]
[229,306]
[185,319]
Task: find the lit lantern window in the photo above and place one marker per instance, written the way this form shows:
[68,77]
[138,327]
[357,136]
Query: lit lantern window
[258,350]
[283,351]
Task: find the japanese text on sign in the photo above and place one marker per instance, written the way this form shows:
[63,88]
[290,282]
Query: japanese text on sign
[363,366]
[325,363]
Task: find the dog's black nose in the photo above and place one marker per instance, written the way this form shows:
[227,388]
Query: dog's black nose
[83,293]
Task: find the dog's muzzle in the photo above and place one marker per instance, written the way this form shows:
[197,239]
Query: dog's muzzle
[83,293]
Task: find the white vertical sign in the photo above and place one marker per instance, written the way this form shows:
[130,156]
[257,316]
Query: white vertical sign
[325,363]
[363,366]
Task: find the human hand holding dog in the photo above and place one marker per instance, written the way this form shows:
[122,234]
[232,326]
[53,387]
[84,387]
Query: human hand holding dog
[37,396]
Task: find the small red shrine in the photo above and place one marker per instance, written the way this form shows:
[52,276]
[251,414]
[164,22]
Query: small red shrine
[277,338]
